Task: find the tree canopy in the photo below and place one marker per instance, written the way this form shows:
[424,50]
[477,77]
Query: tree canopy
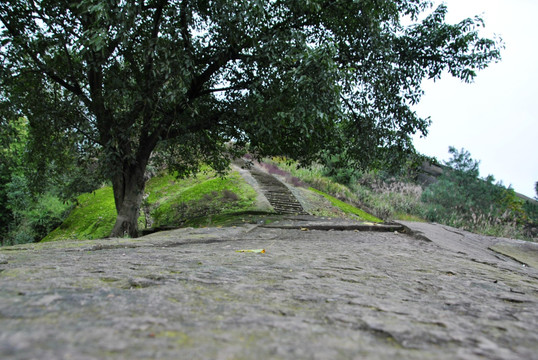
[207,80]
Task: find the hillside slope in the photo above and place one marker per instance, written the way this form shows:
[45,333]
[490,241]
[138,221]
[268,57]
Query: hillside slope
[203,200]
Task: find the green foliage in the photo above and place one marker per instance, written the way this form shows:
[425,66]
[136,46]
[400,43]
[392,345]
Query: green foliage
[33,217]
[338,170]
[531,210]
[461,199]
[13,140]
[461,161]
[460,190]
[46,214]
[31,205]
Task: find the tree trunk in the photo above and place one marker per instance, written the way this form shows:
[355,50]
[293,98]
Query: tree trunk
[128,188]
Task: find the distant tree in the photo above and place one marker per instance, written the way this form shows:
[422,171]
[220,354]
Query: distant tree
[463,163]
[205,81]
[536,189]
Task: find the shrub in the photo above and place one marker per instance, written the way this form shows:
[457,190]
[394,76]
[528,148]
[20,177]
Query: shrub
[337,168]
[34,222]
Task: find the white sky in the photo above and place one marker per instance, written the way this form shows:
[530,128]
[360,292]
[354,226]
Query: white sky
[496,117]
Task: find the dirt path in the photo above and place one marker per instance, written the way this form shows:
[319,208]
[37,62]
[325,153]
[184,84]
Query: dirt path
[431,293]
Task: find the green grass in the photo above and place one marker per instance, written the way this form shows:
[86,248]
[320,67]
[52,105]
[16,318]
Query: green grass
[93,218]
[161,187]
[173,202]
[347,208]
[205,197]
[408,217]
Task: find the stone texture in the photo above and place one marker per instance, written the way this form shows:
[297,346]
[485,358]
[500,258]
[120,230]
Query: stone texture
[430,293]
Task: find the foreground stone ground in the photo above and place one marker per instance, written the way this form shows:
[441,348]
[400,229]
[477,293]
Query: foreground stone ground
[430,293]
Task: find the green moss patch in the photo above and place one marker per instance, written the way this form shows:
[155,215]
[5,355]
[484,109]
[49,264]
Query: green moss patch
[93,218]
[347,208]
[194,201]
[203,199]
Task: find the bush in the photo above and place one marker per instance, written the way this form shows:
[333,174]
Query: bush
[35,217]
[339,170]
[47,214]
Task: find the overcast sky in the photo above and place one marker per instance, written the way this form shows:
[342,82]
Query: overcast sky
[496,117]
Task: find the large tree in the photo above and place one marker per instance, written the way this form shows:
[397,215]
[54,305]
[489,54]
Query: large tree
[203,80]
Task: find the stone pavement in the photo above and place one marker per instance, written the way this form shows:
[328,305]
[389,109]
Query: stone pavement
[432,292]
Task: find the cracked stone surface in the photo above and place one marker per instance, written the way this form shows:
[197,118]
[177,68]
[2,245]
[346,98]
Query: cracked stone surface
[431,293]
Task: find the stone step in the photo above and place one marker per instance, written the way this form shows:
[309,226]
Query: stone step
[278,194]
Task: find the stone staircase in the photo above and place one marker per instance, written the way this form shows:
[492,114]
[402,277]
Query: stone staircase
[278,194]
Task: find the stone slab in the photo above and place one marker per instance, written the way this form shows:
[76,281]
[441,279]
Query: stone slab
[525,253]
[188,294]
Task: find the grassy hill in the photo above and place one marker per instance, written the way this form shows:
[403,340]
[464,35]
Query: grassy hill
[168,202]
[203,200]
[208,200]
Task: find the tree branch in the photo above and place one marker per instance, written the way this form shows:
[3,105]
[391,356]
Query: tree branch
[149,79]
[73,88]
[198,82]
[157,18]
[242,86]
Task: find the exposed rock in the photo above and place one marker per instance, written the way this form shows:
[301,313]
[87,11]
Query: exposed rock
[433,292]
